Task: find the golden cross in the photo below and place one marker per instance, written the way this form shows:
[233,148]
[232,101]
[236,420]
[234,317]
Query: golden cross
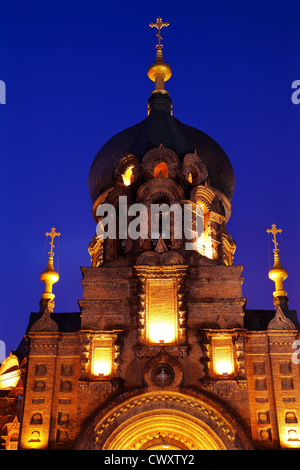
[52,235]
[274,230]
[159,25]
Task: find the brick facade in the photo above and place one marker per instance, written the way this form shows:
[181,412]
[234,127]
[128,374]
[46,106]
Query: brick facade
[215,376]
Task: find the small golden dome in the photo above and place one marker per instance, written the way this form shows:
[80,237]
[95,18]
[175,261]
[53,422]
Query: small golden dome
[49,277]
[278,273]
[49,274]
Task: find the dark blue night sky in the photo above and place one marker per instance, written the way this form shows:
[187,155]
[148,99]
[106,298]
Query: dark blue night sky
[76,74]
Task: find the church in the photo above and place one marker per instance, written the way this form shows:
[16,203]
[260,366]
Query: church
[163,353]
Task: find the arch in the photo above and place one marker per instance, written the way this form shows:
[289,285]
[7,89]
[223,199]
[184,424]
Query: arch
[10,434]
[127,170]
[170,426]
[204,194]
[160,189]
[9,364]
[151,258]
[214,200]
[186,419]
[9,373]
[194,169]
[160,159]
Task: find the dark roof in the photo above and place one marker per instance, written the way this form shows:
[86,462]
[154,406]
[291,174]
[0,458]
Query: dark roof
[66,322]
[258,320]
[254,320]
[161,127]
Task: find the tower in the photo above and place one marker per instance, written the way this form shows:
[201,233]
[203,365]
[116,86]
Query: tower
[163,353]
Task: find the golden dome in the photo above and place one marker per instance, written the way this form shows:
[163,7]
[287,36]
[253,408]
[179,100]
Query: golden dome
[49,277]
[278,274]
[49,274]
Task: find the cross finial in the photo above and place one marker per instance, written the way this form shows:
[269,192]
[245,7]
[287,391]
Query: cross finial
[274,230]
[278,274]
[52,235]
[159,25]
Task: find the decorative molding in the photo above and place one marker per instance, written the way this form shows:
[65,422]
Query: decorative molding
[225,388]
[168,369]
[45,323]
[175,273]
[87,339]
[156,258]
[239,356]
[99,389]
[135,402]
[280,321]
[95,249]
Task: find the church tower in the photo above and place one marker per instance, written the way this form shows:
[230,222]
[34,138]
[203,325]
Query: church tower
[163,353]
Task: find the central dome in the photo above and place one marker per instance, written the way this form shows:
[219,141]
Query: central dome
[160,127]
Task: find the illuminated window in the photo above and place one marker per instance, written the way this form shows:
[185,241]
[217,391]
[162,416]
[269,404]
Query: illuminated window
[127,176]
[162,168]
[161,311]
[203,241]
[204,245]
[102,364]
[222,356]
[192,177]
[292,435]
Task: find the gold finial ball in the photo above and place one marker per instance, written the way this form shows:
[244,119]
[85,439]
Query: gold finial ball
[159,68]
[49,275]
[278,273]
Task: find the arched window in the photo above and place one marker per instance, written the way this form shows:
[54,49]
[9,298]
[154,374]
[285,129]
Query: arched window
[162,168]
[203,242]
[192,177]
[127,176]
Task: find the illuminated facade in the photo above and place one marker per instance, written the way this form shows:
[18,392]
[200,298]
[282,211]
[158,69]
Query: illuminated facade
[163,353]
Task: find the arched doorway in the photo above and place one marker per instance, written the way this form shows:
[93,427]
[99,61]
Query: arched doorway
[164,420]
[163,429]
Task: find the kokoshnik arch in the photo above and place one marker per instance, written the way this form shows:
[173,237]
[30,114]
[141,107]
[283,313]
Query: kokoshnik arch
[163,353]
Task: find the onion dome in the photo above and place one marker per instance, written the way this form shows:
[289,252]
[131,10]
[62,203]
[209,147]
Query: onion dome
[160,127]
